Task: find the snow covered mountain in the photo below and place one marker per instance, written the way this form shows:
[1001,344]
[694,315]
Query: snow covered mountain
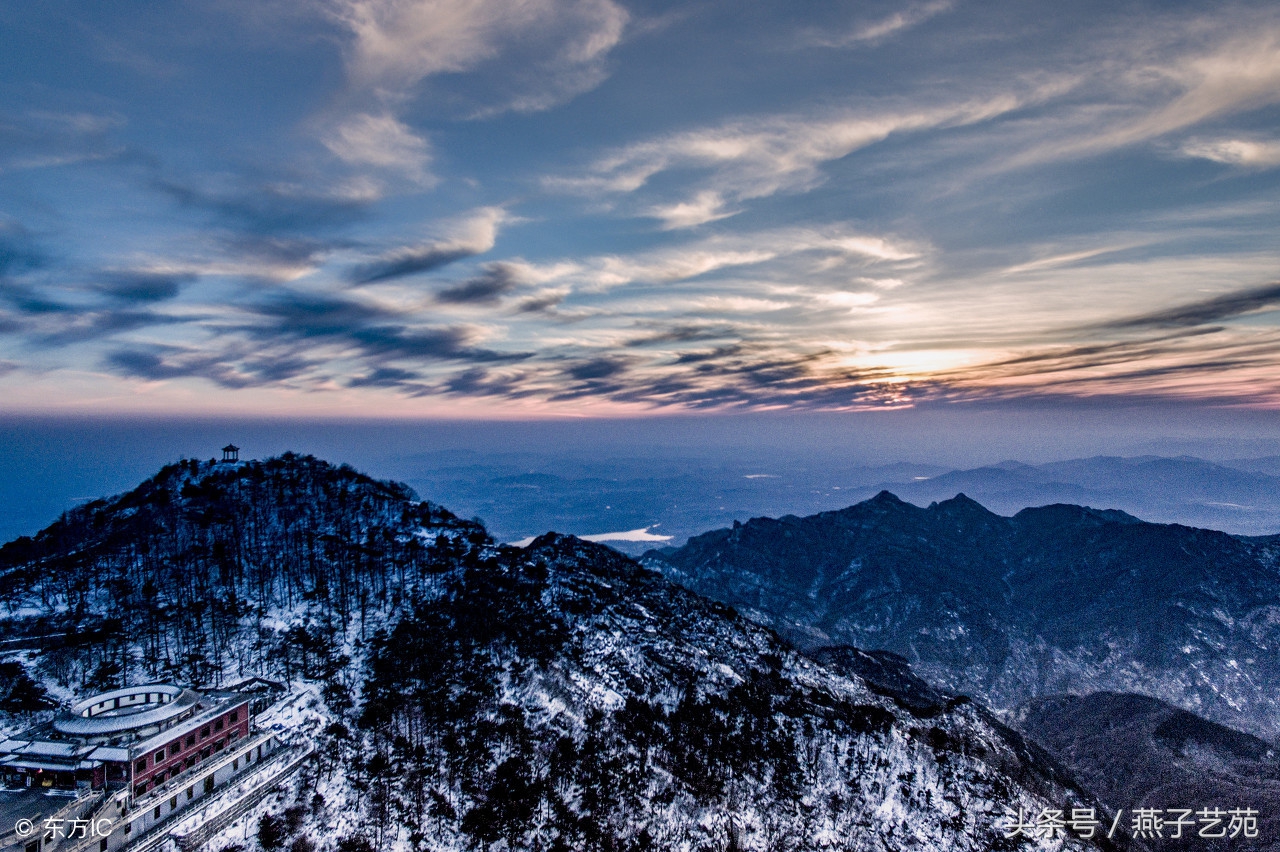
[462,694]
[1059,599]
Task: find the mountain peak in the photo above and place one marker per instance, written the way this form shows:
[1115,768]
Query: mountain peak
[963,505]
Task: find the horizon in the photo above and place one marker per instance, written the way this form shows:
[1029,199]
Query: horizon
[675,475]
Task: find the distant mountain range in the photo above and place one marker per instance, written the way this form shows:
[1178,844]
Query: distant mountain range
[1058,599]
[1241,496]
[521,497]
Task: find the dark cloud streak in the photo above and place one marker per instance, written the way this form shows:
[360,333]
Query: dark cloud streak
[486,288]
[409,262]
[1207,311]
[144,287]
[269,208]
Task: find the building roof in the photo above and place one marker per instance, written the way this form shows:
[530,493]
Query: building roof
[86,720]
[115,737]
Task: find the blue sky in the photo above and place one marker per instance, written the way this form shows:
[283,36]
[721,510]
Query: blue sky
[516,208]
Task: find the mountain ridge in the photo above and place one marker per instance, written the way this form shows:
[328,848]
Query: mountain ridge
[1057,598]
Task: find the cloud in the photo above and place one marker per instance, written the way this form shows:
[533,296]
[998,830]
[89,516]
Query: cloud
[77,123]
[1249,153]
[235,369]
[143,286]
[274,208]
[834,244]
[76,326]
[553,49]
[39,139]
[755,158]
[543,302]
[473,235]
[411,261]
[427,343]
[18,249]
[596,368]
[383,142]
[487,287]
[1212,310]
[369,330]
[1239,73]
[487,382]
[1068,259]
[1211,365]
[877,31]
[384,377]
[29,300]
[286,257]
[1242,73]
[299,339]
[685,333]
[708,206]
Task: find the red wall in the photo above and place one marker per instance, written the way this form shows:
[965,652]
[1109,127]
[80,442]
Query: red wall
[175,760]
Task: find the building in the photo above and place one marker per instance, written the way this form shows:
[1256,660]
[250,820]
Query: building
[140,754]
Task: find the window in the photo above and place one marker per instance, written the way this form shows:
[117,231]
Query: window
[102,845]
[159,756]
[204,732]
[173,803]
[205,752]
[128,827]
[156,813]
[234,715]
[208,784]
[191,740]
[140,766]
[191,791]
[235,764]
[217,726]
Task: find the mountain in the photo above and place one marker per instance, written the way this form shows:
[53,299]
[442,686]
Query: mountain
[1241,496]
[1268,465]
[465,695]
[1056,599]
[1136,752]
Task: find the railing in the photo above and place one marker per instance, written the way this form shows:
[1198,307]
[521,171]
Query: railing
[201,834]
[195,773]
[159,832]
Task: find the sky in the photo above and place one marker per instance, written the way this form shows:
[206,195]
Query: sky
[529,208]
